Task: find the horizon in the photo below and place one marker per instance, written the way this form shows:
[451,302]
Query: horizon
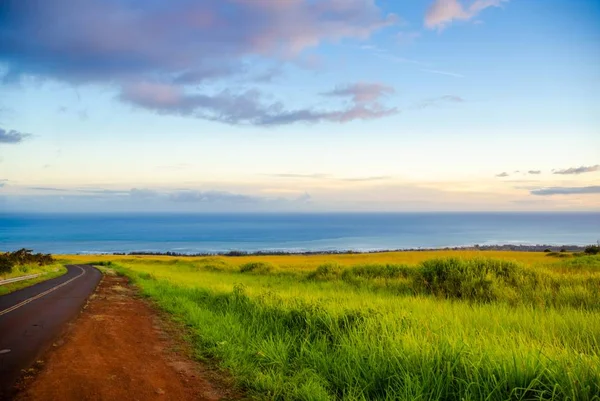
[326,106]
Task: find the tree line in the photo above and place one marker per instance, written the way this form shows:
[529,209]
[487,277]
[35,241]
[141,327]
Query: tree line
[23,256]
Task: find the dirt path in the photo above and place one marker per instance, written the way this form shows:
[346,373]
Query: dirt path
[119,348]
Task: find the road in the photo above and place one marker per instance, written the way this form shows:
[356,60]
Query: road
[31,318]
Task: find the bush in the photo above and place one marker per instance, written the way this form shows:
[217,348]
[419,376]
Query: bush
[477,279]
[592,250]
[256,267]
[6,265]
[327,271]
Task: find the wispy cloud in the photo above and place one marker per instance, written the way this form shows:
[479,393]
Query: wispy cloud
[440,72]
[578,170]
[437,101]
[12,136]
[502,175]
[534,172]
[211,197]
[367,179]
[292,175]
[443,12]
[362,92]
[566,191]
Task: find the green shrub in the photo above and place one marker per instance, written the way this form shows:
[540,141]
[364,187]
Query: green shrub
[257,267]
[592,250]
[482,280]
[6,264]
[327,271]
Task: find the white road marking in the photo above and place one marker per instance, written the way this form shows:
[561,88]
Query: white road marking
[17,306]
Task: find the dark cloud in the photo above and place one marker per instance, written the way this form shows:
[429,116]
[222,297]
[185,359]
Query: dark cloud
[187,41]
[501,175]
[181,43]
[12,136]
[578,170]
[211,197]
[566,191]
[534,172]
[248,107]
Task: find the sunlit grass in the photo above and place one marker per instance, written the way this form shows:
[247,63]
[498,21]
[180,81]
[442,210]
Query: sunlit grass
[465,326]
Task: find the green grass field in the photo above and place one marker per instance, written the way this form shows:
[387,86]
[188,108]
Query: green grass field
[393,326]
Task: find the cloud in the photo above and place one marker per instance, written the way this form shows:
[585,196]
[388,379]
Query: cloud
[367,179]
[433,102]
[142,193]
[578,170]
[292,175]
[3,182]
[250,107]
[443,12]
[362,92]
[534,172]
[211,197]
[12,136]
[186,41]
[566,191]
[501,175]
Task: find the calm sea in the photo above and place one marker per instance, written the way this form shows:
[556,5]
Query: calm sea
[86,233]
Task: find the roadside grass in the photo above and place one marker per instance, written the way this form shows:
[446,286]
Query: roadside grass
[48,272]
[450,326]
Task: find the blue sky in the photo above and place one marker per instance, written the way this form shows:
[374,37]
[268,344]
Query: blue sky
[299,105]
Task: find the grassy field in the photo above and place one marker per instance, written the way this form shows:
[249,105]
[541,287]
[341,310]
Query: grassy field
[391,326]
[48,272]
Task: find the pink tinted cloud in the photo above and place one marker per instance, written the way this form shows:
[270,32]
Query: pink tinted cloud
[443,12]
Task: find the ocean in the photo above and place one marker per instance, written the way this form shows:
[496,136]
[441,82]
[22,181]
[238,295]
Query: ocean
[213,233]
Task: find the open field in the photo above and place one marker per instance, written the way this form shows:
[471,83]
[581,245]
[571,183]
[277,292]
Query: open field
[408,325]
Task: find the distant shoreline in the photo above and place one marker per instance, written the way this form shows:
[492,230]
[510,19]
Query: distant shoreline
[234,253]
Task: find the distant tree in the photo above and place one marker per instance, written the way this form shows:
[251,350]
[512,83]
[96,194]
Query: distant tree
[563,249]
[592,250]
[6,264]
[547,250]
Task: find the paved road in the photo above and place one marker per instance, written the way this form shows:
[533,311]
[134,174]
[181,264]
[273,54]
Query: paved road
[31,318]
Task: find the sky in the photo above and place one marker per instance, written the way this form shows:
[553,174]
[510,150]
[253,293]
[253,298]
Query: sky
[299,105]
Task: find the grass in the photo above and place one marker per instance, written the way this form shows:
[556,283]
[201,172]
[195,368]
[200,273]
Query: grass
[48,272]
[392,326]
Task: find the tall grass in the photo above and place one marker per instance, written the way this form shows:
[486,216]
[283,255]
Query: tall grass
[441,329]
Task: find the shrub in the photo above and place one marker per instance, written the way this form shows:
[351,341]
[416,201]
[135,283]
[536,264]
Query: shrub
[6,265]
[256,267]
[477,279]
[592,250]
[327,271]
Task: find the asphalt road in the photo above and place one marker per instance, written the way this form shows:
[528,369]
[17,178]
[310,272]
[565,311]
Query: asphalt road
[31,318]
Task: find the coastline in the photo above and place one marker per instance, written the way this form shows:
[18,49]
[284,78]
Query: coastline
[234,253]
